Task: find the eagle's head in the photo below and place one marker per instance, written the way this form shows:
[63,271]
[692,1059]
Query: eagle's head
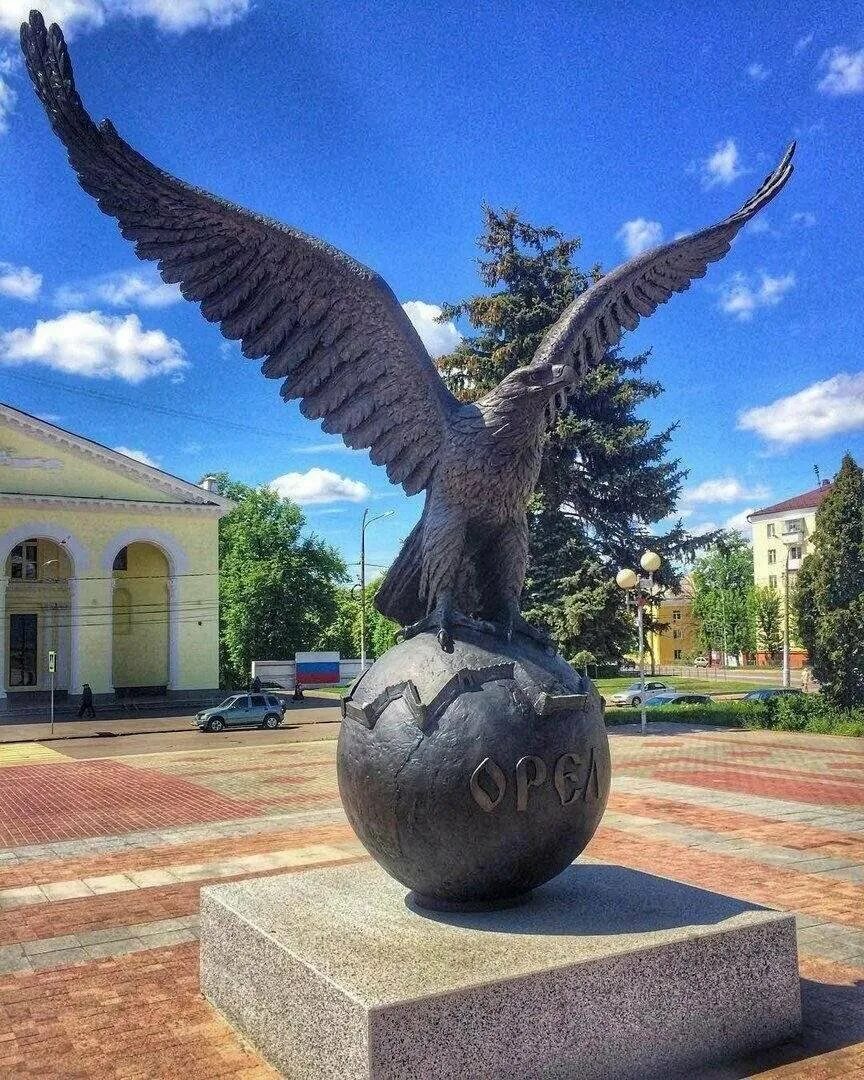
[528,396]
[540,380]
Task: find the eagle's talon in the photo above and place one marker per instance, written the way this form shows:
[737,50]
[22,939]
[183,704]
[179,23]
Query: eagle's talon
[445,640]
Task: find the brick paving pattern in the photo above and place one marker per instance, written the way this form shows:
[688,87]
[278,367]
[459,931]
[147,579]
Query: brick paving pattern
[104,859]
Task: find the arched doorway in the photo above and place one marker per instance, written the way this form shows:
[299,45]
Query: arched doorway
[38,615]
[141,618]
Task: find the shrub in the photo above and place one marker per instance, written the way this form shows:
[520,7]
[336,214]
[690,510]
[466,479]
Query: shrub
[812,713]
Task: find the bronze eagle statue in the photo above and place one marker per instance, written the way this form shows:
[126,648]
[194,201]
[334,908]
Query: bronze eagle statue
[336,335]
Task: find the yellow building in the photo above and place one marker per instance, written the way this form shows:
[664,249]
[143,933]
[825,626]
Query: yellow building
[782,534]
[677,641]
[110,564]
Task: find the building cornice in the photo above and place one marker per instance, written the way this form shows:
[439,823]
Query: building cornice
[142,506]
[112,459]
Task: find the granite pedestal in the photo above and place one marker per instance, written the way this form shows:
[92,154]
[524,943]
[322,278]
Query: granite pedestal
[604,973]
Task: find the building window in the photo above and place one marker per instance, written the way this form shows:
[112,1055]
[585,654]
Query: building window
[22,650]
[676,635]
[772,556]
[121,559]
[23,562]
[795,551]
[795,525]
[772,532]
[677,654]
[676,615]
[772,581]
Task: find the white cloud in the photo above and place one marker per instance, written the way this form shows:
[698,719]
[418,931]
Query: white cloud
[439,338]
[844,72]
[122,289]
[802,44]
[94,345]
[723,166]
[759,226]
[804,218]
[704,527]
[639,234]
[174,16]
[71,14]
[741,296]
[757,72]
[825,408]
[8,95]
[739,523]
[331,447]
[19,282]
[724,489]
[138,455]
[319,486]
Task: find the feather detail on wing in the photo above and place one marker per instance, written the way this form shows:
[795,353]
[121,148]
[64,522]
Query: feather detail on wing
[328,326]
[594,322]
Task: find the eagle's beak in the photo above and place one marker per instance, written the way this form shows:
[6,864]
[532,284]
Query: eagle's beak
[562,375]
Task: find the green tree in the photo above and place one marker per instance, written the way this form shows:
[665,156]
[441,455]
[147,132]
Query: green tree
[380,631]
[829,596]
[277,583]
[340,633]
[606,478]
[767,610]
[723,602]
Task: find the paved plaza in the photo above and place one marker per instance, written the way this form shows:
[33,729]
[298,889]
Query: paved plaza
[105,848]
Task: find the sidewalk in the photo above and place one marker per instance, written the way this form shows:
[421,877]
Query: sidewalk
[311,711]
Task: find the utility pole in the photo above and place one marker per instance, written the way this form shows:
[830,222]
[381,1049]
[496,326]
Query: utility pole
[367,521]
[787,678]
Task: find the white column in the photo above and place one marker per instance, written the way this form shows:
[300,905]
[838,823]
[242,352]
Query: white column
[4,652]
[173,588]
[74,638]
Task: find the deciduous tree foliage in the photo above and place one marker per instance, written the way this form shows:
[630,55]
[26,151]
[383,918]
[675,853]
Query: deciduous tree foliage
[723,606]
[342,635]
[767,610]
[606,478]
[277,582]
[829,598]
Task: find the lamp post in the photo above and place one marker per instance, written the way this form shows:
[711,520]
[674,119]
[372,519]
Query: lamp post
[787,677]
[367,521]
[643,591]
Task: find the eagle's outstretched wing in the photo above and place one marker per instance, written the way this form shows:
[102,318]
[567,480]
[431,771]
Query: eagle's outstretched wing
[331,327]
[593,323]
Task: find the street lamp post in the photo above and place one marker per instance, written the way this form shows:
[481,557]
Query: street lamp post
[367,521]
[787,677]
[630,581]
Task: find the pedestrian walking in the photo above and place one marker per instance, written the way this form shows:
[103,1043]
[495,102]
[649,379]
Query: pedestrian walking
[255,685]
[86,706]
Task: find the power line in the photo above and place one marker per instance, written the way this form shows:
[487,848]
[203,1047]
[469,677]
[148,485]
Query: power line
[165,410]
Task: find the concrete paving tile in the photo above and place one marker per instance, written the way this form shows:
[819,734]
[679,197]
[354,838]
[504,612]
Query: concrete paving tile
[147,879]
[109,883]
[21,897]
[58,959]
[171,937]
[114,948]
[65,890]
[98,937]
[47,945]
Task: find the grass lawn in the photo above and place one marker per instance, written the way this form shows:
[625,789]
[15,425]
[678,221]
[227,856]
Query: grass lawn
[697,686]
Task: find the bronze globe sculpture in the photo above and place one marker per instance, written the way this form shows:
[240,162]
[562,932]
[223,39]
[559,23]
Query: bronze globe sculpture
[473,763]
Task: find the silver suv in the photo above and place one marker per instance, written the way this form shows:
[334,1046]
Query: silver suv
[261,710]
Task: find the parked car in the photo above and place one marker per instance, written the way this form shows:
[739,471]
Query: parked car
[701,661]
[772,692]
[242,710]
[674,698]
[633,694]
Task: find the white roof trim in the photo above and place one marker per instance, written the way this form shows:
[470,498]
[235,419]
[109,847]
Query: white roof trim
[144,506]
[135,470]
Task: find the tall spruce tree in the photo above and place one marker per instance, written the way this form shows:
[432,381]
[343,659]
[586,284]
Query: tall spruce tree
[606,478]
[829,596]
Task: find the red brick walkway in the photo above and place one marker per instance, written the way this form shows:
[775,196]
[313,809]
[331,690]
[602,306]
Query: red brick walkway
[98,920]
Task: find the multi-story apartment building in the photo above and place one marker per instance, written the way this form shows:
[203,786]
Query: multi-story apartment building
[677,642]
[782,534]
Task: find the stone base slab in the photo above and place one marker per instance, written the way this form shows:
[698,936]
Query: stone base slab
[605,973]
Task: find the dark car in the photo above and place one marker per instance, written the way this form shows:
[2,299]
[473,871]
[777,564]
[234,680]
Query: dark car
[659,700]
[772,692]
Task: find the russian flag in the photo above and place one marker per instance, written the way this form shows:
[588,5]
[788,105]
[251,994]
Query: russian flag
[316,668]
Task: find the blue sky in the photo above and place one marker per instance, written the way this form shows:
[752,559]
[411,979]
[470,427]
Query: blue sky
[382,127]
